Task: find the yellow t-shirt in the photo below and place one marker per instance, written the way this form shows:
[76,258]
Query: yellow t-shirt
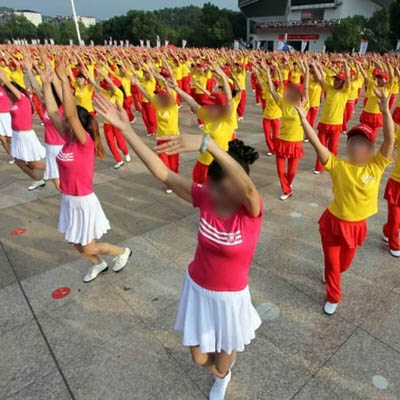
[395,86]
[83,96]
[372,105]
[7,71]
[220,131]
[115,96]
[149,85]
[355,86]
[285,73]
[167,118]
[177,71]
[233,120]
[185,70]
[296,76]
[201,79]
[17,76]
[355,189]
[315,92]
[396,170]
[335,104]
[241,77]
[291,129]
[272,109]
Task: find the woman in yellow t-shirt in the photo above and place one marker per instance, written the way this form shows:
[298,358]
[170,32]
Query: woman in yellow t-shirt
[371,114]
[289,143]
[343,225]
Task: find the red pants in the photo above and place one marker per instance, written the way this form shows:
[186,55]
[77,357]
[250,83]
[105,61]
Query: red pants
[286,178]
[200,173]
[186,84]
[242,104]
[137,98]
[392,227]
[178,98]
[128,101]
[149,117]
[271,131]
[392,100]
[348,113]
[338,259]
[171,161]
[330,140]
[113,135]
[258,93]
[312,115]
[253,78]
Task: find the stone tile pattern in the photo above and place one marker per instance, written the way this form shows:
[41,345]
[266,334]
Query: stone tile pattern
[114,339]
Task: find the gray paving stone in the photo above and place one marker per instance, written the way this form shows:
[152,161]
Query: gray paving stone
[383,323]
[14,310]
[301,330]
[51,387]
[131,366]
[350,372]
[25,358]
[182,389]
[90,320]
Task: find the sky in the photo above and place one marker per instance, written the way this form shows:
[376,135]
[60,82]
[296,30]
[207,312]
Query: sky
[104,9]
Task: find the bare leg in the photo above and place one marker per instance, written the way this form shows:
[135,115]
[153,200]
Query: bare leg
[92,251]
[217,364]
[39,165]
[5,141]
[91,258]
[28,171]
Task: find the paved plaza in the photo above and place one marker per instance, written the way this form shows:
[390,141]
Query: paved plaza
[114,339]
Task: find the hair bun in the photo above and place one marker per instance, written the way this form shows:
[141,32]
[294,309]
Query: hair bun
[241,151]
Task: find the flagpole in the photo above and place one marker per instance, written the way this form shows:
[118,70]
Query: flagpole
[76,22]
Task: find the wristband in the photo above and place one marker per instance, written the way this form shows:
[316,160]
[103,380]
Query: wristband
[204,143]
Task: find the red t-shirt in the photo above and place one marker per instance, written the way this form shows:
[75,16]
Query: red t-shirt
[21,115]
[5,104]
[225,247]
[76,166]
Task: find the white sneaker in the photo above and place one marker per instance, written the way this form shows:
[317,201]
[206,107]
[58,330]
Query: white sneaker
[385,239]
[201,126]
[132,122]
[37,184]
[118,165]
[168,191]
[240,118]
[94,271]
[315,172]
[306,140]
[219,388]
[330,308]
[269,154]
[395,253]
[122,260]
[128,158]
[11,161]
[284,197]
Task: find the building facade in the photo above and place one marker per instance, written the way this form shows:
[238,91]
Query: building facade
[269,23]
[31,16]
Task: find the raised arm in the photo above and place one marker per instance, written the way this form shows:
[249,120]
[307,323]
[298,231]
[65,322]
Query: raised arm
[9,85]
[33,81]
[70,105]
[388,125]
[117,116]
[242,181]
[142,90]
[322,152]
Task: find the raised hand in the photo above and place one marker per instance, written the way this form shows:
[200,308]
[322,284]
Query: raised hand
[383,100]
[115,114]
[180,144]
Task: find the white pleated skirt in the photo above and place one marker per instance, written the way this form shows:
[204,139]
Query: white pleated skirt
[5,125]
[25,146]
[216,321]
[82,219]
[52,151]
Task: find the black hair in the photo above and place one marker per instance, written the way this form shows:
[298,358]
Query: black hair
[84,116]
[243,154]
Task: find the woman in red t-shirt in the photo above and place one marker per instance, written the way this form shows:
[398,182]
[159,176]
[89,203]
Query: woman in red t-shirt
[215,313]
[82,219]
[25,145]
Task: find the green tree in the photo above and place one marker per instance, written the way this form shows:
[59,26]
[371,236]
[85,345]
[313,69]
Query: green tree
[347,35]
[379,31]
[48,30]
[96,33]
[67,31]
[394,18]
[17,27]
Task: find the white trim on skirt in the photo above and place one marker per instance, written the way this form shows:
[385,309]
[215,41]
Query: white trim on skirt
[82,219]
[216,321]
[25,146]
[52,151]
[5,124]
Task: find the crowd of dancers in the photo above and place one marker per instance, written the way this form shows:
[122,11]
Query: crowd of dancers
[71,90]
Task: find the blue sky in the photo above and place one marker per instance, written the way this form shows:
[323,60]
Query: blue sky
[105,8]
